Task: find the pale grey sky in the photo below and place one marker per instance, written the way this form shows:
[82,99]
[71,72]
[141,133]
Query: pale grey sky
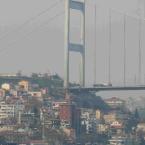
[43,49]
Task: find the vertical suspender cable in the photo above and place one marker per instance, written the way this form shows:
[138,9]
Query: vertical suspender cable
[95,47]
[110,44]
[135,80]
[144,8]
[124,79]
[139,52]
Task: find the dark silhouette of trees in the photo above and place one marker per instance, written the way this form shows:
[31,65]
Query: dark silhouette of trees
[55,137]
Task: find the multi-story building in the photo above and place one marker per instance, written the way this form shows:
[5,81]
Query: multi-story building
[117,140]
[65,112]
[141,127]
[88,120]
[6,86]
[2,94]
[116,124]
[69,115]
[109,118]
[6,110]
[102,128]
[115,102]
[24,85]
[99,115]
[37,95]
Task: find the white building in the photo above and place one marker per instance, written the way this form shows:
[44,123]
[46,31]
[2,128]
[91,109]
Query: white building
[6,110]
[117,140]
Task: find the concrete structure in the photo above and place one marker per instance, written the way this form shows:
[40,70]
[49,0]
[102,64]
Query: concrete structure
[102,128]
[109,118]
[113,88]
[117,140]
[4,128]
[2,93]
[38,142]
[6,86]
[115,102]
[6,110]
[69,116]
[24,85]
[141,127]
[80,6]
[66,112]
[116,125]
[88,120]
[37,94]
[8,75]
[98,115]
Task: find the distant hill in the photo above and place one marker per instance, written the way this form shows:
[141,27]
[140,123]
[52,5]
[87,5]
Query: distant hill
[42,81]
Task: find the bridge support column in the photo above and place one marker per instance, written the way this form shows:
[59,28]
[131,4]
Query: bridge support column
[69,46]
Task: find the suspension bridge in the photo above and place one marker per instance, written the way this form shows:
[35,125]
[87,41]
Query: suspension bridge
[80,46]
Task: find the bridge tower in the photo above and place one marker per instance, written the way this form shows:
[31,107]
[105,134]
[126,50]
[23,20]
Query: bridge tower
[78,5]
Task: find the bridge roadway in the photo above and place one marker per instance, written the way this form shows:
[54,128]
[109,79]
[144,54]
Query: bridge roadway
[113,88]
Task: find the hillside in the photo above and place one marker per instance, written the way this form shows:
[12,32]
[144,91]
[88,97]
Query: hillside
[54,83]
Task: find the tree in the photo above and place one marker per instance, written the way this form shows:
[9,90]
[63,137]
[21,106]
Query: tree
[55,136]
[136,115]
[2,139]
[34,75]
[142,141]
[132,121]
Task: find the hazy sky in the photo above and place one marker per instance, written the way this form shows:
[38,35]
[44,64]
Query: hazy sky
[43,49]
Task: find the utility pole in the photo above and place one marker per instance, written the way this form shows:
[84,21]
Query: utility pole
[43,126]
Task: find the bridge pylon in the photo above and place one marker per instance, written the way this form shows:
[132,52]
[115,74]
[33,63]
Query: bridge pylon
[78,5]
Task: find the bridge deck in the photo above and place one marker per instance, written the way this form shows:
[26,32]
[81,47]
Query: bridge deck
[114,88]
